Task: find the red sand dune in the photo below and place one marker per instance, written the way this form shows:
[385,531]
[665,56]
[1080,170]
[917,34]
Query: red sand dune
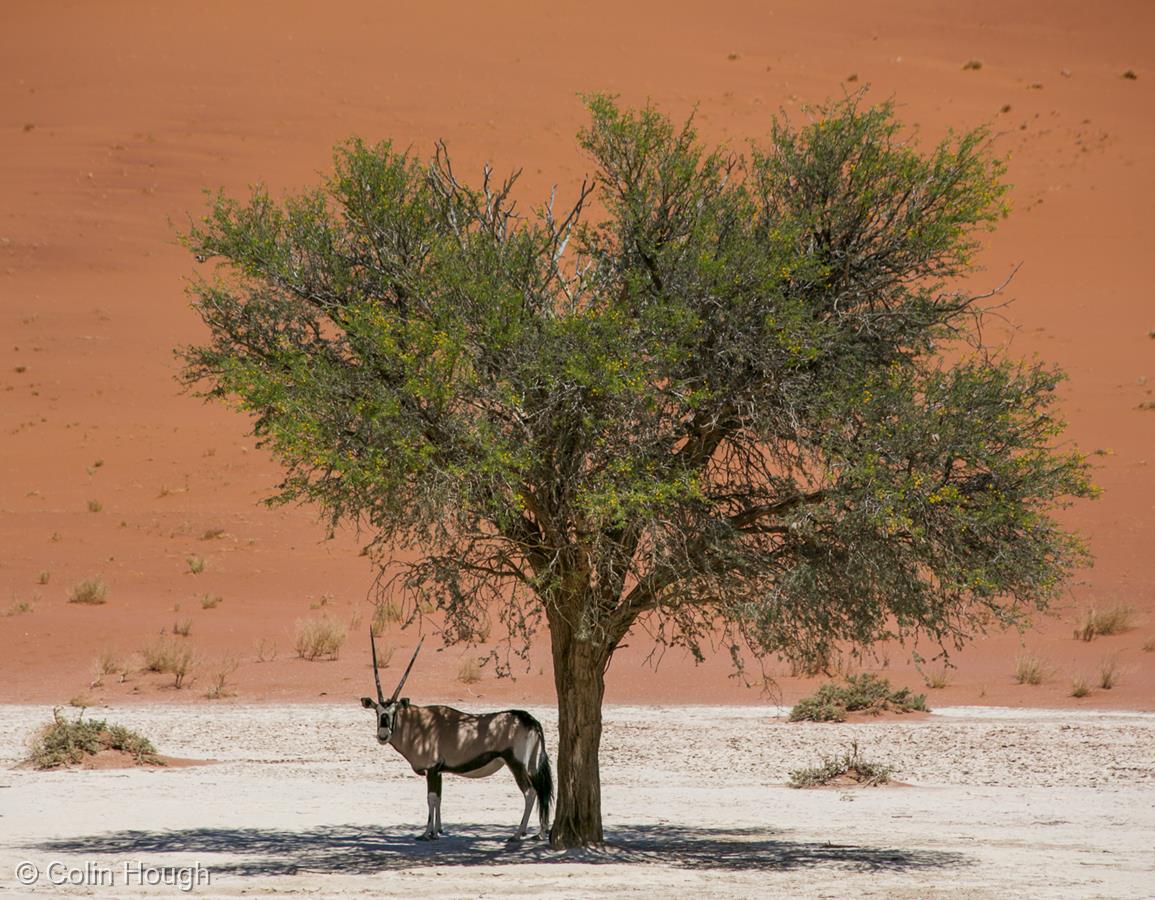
[114,116]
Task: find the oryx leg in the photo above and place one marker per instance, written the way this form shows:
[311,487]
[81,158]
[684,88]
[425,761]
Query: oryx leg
[522,777]
[433,823]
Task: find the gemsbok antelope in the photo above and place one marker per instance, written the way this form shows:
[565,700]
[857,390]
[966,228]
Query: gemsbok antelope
[439,739]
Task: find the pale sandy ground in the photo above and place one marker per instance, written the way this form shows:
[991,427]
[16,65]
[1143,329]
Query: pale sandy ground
[1000,803]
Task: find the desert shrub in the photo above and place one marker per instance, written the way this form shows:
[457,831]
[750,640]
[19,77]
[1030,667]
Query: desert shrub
[196,564]
[1113,620]
[92,591]
[850,766]
[1029,669]
[861,693]
[66,742]
[95,506]
[319,638]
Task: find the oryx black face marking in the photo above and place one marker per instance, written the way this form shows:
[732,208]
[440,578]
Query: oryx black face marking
[439,739]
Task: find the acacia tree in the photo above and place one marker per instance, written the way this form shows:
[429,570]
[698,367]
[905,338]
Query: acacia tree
[723,406]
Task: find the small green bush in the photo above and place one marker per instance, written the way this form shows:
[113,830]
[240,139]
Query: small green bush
[849,766]
[861,693]
[66,742]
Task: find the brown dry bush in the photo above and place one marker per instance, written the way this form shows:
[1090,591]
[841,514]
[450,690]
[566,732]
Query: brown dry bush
[91,591]
[319,638]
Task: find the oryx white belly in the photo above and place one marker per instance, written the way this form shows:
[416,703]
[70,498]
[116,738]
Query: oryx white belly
[488,769]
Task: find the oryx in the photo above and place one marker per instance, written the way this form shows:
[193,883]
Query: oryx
[439,739]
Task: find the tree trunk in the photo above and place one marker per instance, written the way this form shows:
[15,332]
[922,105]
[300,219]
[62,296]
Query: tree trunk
[579,675]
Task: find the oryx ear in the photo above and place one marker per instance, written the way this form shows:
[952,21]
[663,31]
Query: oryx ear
[404,701]
[367,702]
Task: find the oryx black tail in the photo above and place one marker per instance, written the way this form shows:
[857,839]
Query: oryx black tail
[542,781]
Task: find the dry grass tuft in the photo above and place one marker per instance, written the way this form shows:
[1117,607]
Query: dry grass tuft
[1113,620]
[1080,687]
[469,671]
[92,591]
[385,613]
[1029,669]
[95,506]
[18,607]
[972,65]
[168,657]
[44,577]
[196,564]
[1149,646]
[939,679]
[108,663]
[211,534]
[1109,672]
[219,683]
[266,650]
[210,601]
[182,628]
[319,638]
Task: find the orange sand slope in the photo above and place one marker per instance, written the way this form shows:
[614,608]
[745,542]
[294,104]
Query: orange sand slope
[114,116]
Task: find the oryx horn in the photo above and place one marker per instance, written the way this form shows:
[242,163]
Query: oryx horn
[401,683]
[376,674]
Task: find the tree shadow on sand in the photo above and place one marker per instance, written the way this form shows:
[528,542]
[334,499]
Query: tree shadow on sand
[353,850]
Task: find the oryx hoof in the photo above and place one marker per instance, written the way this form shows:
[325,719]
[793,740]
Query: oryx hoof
[515,838]
[428,836]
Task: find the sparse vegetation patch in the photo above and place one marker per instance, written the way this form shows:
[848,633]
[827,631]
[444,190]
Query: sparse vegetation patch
[862,693]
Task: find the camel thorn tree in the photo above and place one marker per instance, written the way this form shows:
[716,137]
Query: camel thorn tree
[721,405]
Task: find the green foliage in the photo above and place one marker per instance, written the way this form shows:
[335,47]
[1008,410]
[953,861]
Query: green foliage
[723,406]
[862,693]
[850,767]
[66,742]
